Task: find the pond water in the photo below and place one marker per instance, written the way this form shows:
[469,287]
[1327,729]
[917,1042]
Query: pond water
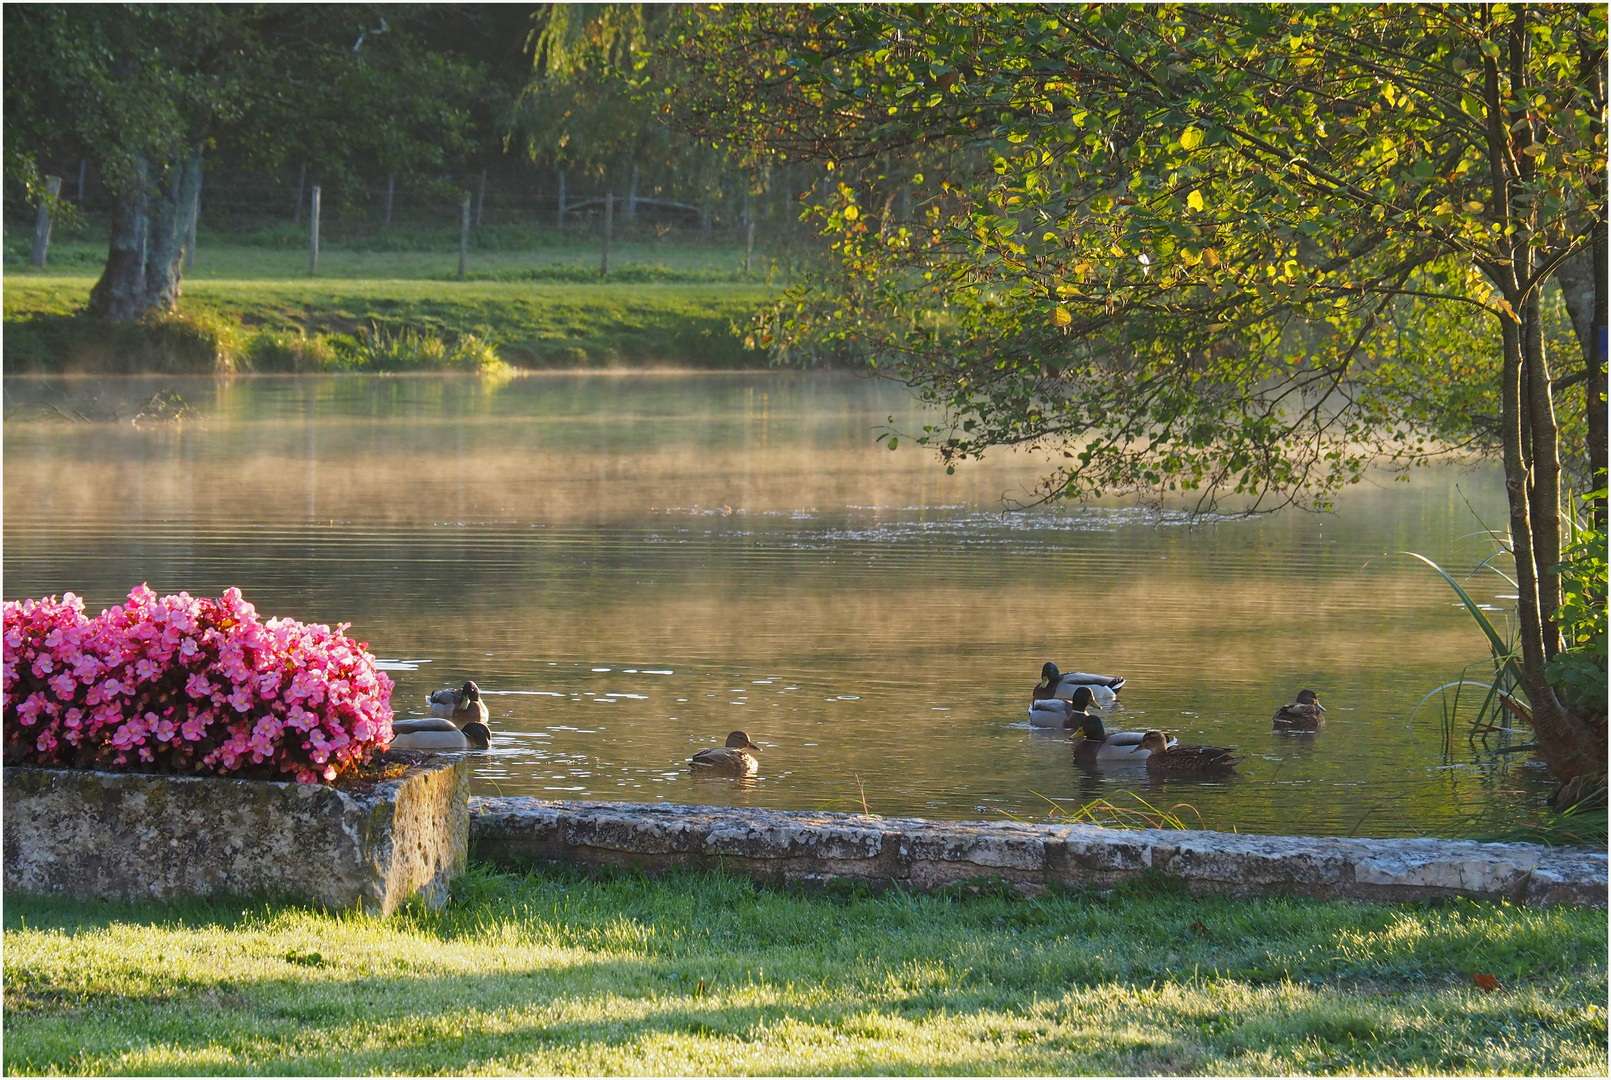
[631,566]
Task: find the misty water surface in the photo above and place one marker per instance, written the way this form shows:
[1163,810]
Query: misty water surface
[633,565]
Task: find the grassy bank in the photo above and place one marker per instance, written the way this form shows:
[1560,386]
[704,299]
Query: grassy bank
[700,973]
[251,307]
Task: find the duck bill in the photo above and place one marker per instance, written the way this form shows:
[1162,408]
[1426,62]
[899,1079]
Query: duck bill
[752,746]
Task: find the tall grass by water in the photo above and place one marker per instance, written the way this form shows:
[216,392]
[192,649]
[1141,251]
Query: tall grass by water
[701,973]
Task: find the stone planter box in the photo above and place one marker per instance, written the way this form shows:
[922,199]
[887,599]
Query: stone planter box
[796,847]
[134,836]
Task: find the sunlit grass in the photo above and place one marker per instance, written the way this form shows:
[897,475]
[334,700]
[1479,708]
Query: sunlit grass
[545,308]
[704,973]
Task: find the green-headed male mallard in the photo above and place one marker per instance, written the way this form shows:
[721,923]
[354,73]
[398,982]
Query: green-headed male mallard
[1059,685]
[439,734]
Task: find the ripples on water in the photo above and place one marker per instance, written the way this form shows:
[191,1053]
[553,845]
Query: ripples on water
[632,566]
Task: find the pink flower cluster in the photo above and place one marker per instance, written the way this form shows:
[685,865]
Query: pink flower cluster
[184,685]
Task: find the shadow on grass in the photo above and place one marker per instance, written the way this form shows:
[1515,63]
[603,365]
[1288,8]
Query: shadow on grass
[557,971]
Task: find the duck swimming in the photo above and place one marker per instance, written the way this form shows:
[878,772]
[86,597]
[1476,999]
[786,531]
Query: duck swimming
[439,734]
[734,759]
[1092,741]
[461,706]
[1059,686]
[1305,714]
[1184,760]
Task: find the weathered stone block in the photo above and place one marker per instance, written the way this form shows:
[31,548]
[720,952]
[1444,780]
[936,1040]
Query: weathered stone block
[134,836]
[784,846]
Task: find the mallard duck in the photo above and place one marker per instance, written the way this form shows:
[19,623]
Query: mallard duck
[1164,758]
[1305,714]
[439,734]
[1093,742]
[734,759]
[1056,685]
[461,706]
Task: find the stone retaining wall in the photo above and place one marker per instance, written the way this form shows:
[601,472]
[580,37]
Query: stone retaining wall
[790,847]
[134,836]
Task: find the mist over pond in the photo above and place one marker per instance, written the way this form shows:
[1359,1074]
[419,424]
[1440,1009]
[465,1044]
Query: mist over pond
[631,566]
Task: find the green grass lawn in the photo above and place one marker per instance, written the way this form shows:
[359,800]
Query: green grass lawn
[540,308]
[699,973]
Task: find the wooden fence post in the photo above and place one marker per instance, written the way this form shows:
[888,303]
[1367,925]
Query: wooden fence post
[190,238]
[609,228]
[391,188]
[42,223]
[749,236]
[313,235]
[464,235]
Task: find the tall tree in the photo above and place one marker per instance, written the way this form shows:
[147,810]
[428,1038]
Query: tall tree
[1182,243]
[151,89]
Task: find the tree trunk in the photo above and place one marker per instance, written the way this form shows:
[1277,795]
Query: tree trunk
[119,295]
[45,218]
[1530,441]
[1583,285]
[1544,493]
[167,229]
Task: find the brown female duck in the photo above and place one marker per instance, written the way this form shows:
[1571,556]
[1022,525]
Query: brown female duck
[734,759]
[1184,760]
[1305,714]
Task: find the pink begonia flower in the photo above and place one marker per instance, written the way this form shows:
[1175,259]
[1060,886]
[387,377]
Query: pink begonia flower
[89,675]
[268,685]
[31,708]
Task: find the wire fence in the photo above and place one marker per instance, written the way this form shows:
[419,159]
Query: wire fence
[520,199]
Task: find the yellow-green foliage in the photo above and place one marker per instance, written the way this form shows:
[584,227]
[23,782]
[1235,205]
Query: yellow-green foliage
[556,973]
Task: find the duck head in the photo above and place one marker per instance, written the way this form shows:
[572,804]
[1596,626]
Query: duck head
[740,741]
[1153,742]
[1309,697]
[470,693]
[1049,672]
[479,734]
[1083,700]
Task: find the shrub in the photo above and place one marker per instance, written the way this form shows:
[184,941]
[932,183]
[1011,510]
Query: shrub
[185,685]
[285,350]
[1580,669]
[411,350]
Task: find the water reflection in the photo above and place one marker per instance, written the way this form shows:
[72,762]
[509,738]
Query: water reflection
[632,566]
